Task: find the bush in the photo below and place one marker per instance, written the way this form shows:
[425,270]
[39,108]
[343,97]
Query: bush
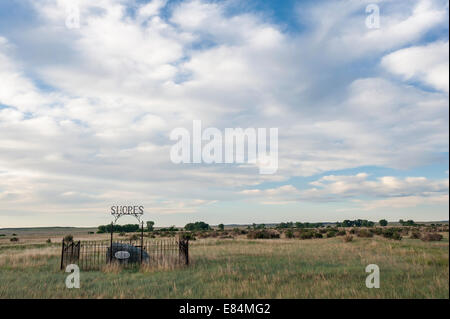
[318,235]
[68,238]
[48,241]
[348,238]
[2,235]
[135,237]
[364,233]
[341,233]
[392,233]
[187,236]
[432,237]
[377,231]
[14,239]
[306,235]
[289,234]
[331,233]
[415,235]
[396,236]
[262,234]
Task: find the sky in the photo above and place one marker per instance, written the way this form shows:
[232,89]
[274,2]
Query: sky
[86,112]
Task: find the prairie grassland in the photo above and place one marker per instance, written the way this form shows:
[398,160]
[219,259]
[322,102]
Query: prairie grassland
[241,268]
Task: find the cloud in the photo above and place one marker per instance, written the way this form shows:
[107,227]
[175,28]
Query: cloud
[339,186]
[427,64]
[400,192]
[405,202]
[89,112]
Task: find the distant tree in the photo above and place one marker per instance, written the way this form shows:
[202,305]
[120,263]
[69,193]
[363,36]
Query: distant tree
[197,226]
[68,238]
[289,234]
[150,225]
[383,222]
[128,228]
[221,227]
[409,222]
[347,223]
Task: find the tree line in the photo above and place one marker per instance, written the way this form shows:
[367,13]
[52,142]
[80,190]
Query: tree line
[202,226]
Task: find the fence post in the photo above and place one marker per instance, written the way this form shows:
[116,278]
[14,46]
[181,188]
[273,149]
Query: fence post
[79,248]
[183,245]
[111,243]
[187,252]
[62,255]
[71,252]
[142,241]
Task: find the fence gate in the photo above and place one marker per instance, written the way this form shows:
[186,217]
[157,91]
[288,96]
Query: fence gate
[70,253]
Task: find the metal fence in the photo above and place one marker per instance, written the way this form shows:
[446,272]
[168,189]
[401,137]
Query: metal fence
[93,255]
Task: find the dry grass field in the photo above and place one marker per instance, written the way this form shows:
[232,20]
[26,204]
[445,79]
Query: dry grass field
[237,268]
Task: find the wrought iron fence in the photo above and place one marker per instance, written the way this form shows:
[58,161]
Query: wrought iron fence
[93,255]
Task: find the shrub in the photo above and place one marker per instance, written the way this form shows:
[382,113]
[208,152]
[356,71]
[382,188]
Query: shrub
[289,234]
[341,233]
[432,237]
[306,235]
[68,238]
[134,237]
[262,234]
[348,238]
[14,239]
[331,233]
[365,233]
[122,234]
[352,231]
[377,231]
[2,235]
[187,236]
[415,235]
[397,236]
[48,241]
[318,235]
[392,233]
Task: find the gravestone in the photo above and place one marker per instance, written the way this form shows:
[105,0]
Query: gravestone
[126,253]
